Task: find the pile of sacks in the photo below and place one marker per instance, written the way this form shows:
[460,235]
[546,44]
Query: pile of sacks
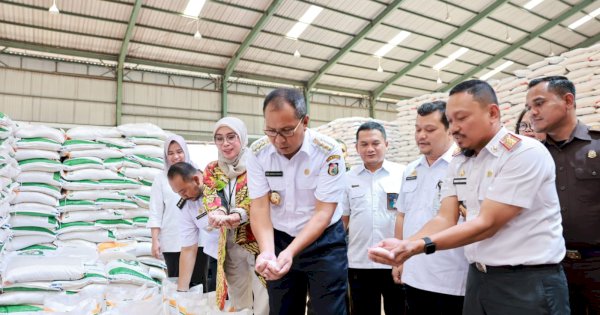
[344,129]
[9,169]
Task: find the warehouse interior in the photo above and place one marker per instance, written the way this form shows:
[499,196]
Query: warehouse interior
[178,66]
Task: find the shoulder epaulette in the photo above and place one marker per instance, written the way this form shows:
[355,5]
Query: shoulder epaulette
[457,152]
[323,144]
[259,144]
[509,141]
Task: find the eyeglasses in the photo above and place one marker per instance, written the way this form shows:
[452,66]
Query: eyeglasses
[230,138]
[284,132]
[523,126]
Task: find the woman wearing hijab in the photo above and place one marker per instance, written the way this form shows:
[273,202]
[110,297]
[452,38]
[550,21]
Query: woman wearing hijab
[228,203]
[165,216]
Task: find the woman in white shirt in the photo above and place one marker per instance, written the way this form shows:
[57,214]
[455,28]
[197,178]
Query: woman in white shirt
[165,216]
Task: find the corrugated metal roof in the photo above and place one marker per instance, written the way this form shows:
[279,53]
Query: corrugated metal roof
[163,35]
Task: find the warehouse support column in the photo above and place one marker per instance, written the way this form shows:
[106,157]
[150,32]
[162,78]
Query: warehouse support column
[224,108]
[372,102]
[121,61]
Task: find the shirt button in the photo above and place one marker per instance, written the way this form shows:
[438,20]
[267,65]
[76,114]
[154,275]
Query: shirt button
[563,187]
[561,168]
[563,209]
[594,173]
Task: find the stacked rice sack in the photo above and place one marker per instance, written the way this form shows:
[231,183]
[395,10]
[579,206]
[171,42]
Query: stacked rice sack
[344,129]
[9,169]
[34,209]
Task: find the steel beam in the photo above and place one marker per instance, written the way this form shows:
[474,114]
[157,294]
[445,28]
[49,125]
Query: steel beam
[122,54]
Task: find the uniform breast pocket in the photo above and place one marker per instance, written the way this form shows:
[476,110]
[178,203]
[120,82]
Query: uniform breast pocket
[357,199]
[409,191]
[588,181]
[305,191]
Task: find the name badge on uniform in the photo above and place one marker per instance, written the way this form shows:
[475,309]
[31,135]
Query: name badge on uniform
[392,198]
[201,215]
[273,173]
[459,181]
[411,178]
[181,203]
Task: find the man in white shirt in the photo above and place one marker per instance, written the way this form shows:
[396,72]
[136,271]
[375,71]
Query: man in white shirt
[513,234]
[186,181]
[435,284]
[369,213]
[295,181]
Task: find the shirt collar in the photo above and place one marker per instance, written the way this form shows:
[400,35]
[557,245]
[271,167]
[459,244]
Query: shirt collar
[386,167]
[493,146]
[580,132]
[447,156]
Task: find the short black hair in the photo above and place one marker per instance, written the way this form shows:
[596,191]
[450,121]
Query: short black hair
[294,97]
[183,169]
[519,119]
[371,125]
[430,107]
[481,91]
[557,84]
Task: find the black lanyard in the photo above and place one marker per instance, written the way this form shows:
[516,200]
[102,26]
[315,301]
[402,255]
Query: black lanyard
[230,193]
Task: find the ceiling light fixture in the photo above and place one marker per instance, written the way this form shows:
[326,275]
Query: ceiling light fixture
[448,17]
[308,17]
[496,70]
[379,68]
[532,4]
[508,38]
[439,79]
[297,54]
[197,35]
[584,19]
[392,43]
[193,8]
[54,9]
[461,51]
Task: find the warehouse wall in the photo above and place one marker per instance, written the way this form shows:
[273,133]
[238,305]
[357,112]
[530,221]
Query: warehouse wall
[63,94]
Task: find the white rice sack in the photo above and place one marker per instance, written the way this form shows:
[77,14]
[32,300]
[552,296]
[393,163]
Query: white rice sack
[98,153]
[31,197]
[142,201]
[117,250]
[94,194]
[5,132]
[555,60]
[147,173]
[119,143]
[43,221]
[22,309]
[149,161]
[40,131]
[537,65]
[52,179]
[68,205]
[79,226]
[147,141]
[122,234]
[90,174]
[92,133]
[38,144]
[95,273]
[578,65]
[25,267]
[68,304]
[586,119]
[105,203]
[25,241]
[33,208]
[119,184]
[157,273]
[40,165]
[74,216]
[140,221]
[42,188]
[26,154]
[142,130]
[141,191]
[584,111]
[135,213]
[117,163]
[81,185]
[147,150]
[9,171]
[97,236]
[34,231]
[78,145]
[14,298]
[113,224]
[75,164]
[143,249]
[129,271]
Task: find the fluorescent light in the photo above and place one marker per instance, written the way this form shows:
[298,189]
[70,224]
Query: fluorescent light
[584,19]
[391,44]
[54,9]
[308,17]
[532,4]
[461,51]
[193,8]
[496,70]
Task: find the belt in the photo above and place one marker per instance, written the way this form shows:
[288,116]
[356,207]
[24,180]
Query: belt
[490,269]
[579,254]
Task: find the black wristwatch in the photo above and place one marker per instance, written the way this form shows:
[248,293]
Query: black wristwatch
[429,246]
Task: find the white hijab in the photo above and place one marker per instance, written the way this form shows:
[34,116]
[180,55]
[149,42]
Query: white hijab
[237,166]
[182,144]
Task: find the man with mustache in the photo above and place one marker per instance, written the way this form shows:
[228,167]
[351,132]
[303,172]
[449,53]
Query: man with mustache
[574,147]
[513,232]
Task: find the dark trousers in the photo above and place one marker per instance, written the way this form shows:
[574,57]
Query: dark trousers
[367,286]
[321,269]
[584,285]
[205,269]
[526,291]
[432,303]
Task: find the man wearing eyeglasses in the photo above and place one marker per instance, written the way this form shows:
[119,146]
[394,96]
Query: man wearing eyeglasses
[295,180]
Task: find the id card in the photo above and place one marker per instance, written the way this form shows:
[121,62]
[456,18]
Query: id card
[392,198]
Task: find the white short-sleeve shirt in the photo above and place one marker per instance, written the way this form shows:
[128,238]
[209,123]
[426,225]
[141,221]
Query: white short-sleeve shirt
[193,221]
[370,202]
[315,172]
[517,171]
[164,214]
[445,271]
